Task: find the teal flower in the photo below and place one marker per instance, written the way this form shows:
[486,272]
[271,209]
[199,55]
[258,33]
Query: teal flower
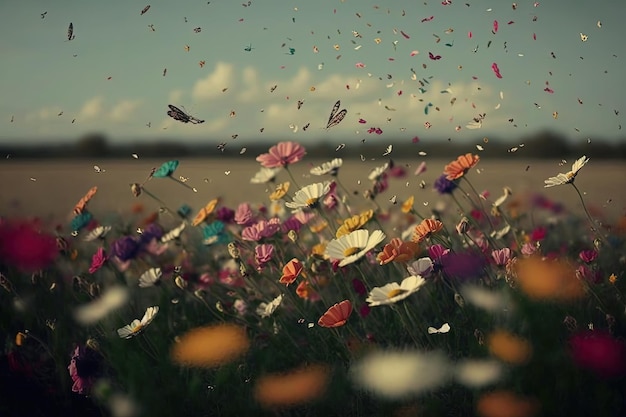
[212,233]
[166,170]
[81,220]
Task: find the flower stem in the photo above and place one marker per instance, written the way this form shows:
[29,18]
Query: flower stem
[591,222]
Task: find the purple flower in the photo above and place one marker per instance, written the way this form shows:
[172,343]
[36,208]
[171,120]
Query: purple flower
[436,252]
[150,232]
[444,185]
[125,248]
[291,223]
[462,266]
[225,214]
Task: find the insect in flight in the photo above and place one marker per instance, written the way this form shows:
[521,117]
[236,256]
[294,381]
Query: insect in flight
[336,115]
[248,48]
[70,32]
[181,116]
[144,10]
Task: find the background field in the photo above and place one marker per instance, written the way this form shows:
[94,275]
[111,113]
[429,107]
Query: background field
[50,189]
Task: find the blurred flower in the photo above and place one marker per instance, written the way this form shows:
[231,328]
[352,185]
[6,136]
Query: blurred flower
[150,278]
[378,172]
[352,247]
[457,168]
[113,298]
[528,249]
[280,191]
[305,291]
[125,248]
[398,251]
[588,255]
[205,212]
[97,233]
[97,260]
[184,211]
[474,373]
[423,267]
[463,226]
[137,326]
[240,306]
[354,223]
[568,177]
[267,309]
[483,298]
[444,185]
[506,404]
[291,270]
[211,346]
[509,348]
[600,353]
[309,196]
[173,234]
[501,256]
[25,247]
[546,279]
[84,368]
[80,221]
[297,386]
[393,292]
[395,374]
[589,274]
[437,252]
[265,175]
[331,168]
[337,315]
[212,233]
[407,206]
[426,228]
[282,154]
[225,214]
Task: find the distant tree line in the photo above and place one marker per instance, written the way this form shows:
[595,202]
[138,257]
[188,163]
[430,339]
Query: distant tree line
[545,144]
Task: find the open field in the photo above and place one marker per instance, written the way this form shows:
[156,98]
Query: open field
[51,188]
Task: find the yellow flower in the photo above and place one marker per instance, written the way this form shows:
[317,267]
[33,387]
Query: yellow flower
[204,212]
[613,279]
[19,338]
[319,249]
[280,191]
[318,226]
[354,223]
[407,206]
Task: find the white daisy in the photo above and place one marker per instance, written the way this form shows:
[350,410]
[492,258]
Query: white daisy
[393,292]
[265,175]
[353,246]
[507,192]
[112,299]
[267,309]
[97,233]
[136,326]
[309,196]
[569,177]
[150,278]
[173,234]
[394,374]
[376,173]
[331,167]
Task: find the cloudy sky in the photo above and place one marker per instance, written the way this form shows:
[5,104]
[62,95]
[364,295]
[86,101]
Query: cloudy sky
[249,65]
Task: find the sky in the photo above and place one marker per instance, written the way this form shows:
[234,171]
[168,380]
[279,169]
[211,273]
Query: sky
[269,70]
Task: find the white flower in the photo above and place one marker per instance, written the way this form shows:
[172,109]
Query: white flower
[475,373]
[394,374]
[173,234]
[267,309]
[136,326]
[376,173]
[331,167]
[150,278]
[353,246]
[112,299]
[423,267]
[309,196]
[445,328]
[569,177]
[265,175]
[485,299]
[507,192]
[97,233]
[393,292]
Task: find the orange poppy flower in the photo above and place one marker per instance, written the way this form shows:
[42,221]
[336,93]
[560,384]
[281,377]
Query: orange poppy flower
[82,203]
[291,271]
[304,290]
[457,168]
[397,251]
[204,212]
[337,315]
[425,229]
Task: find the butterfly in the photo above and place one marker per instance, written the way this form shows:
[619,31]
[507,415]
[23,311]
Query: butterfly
[70,32]
[144,10]
[336,115]
[434,57]
[181,116]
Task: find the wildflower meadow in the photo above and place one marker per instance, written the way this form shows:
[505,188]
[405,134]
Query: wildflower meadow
[318,301]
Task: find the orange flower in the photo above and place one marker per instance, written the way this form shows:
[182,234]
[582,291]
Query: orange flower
[509,348]
[82,203]
[304,290]
[295,387]
[456,169]
[337,315]
[151,218]
[204,212]
[211,346]
[291,271]
[505,404]
[397,251]
[545,279]
[425,229]
[407,206]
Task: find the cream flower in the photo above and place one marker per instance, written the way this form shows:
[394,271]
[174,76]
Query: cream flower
[393,292]
[309,196]
[136,326]
[353,246]
[267,309]
[265,175]
[569,177]
[331,167]
[97,233]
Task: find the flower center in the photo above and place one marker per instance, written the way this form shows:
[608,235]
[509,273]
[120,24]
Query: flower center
[395,292]
[312,201]
[138,328]
[350,251]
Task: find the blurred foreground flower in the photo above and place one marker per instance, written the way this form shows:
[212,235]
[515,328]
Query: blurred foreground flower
[600,353]
[295,387]
[506,404]
[509,348]
[112,299]
[25,247]
[84,368]
[210,346]
[545,279]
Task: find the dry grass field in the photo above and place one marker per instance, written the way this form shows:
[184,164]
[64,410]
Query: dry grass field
[50,189]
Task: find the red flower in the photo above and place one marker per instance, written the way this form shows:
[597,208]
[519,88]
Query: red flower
[337,315]
[291,271]
[97,260]
[600,353]
[25,247]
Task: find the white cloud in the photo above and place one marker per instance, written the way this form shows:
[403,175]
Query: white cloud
[123,110]
[211,86]
[92,108]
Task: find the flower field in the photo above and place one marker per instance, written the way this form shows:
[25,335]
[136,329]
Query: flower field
[318,300]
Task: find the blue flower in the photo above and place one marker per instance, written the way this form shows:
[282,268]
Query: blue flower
[444,185]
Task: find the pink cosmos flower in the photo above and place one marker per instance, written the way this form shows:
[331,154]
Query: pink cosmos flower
[243,214]
[24,246]
[528,249]
[600,353]
[588,255]
[263,253]
[501,256]
[97,260]
[282,154]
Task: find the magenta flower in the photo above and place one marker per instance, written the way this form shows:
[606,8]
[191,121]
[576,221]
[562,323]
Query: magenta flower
[263,253]
[588,256]
[528,249]
[97,260]
[84,369]
[600,353]
[243,214]
[282,154]
[501,256]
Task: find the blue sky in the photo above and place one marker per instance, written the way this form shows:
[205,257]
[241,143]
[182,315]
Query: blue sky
[43,74]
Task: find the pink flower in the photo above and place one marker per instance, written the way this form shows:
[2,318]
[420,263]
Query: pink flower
[153,247]
[263,253]
[528,249]
[25,247]
[600,353]
[97,260]
[501,256]
[243,214]
[588,255]
[538,234]
[282,154]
